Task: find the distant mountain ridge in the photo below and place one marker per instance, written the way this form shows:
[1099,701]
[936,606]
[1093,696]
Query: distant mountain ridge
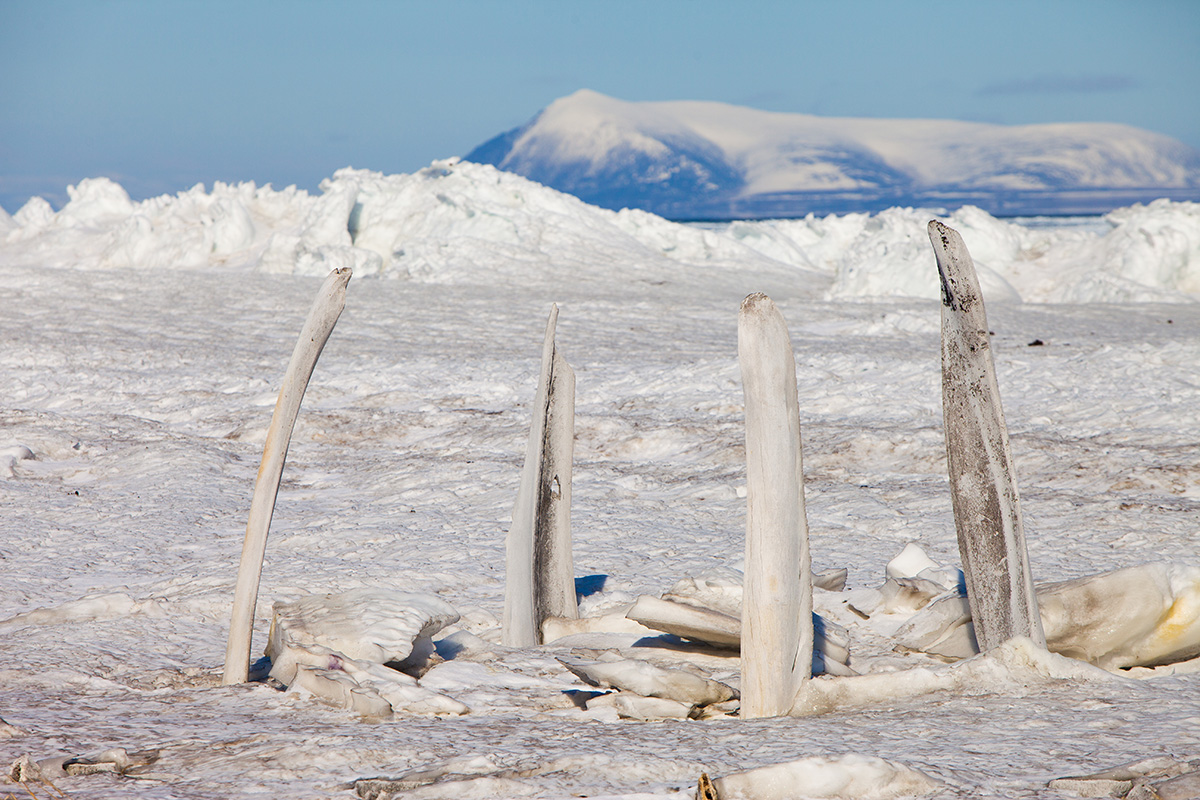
[706,160]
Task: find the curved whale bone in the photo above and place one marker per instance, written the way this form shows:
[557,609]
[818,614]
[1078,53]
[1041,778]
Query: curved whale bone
[323,315]
[983,486]
[539,571]
[776,632]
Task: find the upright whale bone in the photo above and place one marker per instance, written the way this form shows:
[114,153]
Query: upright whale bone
[987,510]
[321,318]
[776,631]
[539,572]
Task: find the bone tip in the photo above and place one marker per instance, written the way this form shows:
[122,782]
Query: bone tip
[757,303]
[942,236]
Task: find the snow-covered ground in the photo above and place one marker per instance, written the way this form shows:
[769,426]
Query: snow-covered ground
[143,344]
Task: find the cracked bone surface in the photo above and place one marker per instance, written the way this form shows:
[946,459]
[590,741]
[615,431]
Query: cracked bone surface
[322,317]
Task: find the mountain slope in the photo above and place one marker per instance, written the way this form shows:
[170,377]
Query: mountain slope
[686,159]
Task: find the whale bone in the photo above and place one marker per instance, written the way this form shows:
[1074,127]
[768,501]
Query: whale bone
[539,570]
[322,317]
[983,485]
[777,632]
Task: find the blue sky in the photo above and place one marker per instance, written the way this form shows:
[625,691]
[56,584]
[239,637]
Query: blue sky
[162,94]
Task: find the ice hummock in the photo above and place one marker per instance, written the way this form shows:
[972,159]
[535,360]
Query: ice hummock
[457,223]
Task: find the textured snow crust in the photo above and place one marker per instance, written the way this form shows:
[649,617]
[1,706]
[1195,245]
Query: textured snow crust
[137,400]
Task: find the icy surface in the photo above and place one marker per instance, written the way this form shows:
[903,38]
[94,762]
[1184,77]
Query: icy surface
[143,394]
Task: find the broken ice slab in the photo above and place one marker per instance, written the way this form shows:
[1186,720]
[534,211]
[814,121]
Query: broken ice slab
[1146,615]
[850,775]
[646,679]
[1156,778]
[635,706]
[831,642]
[335,647]
[367,624]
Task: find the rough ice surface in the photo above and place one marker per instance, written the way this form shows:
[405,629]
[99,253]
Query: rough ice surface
[142,386]
[368,624]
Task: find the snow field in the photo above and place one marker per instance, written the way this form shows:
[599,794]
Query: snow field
[144,395]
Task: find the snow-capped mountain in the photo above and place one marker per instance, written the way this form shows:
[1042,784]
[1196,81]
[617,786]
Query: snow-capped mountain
[705,160]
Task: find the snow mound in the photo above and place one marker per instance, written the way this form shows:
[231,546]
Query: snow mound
[1141,253]
[1017,666]
[450,223]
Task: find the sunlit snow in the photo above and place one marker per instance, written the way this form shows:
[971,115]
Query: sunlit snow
[144,343]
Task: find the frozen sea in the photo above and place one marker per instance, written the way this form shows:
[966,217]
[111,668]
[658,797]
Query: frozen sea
[143,348]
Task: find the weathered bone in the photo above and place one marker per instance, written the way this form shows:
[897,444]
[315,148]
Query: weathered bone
[317,327]
[777,634]
[539,570]
[987,510]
